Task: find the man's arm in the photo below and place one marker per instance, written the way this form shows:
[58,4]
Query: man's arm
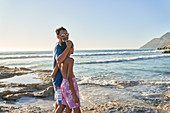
[63,55]
[70,81]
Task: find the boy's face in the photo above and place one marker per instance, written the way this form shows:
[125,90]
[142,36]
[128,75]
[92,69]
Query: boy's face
[72,50]
[63,38]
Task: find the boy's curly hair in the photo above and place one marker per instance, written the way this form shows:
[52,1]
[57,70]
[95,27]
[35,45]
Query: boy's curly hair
[59,29]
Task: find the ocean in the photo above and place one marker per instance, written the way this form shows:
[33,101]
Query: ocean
[97,72]
[127,64]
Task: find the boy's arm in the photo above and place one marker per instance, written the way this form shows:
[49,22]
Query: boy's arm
[70,81]
[54,71]
[63,55]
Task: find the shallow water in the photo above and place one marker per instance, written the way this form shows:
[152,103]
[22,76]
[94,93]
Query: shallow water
[26,79]
[104,67]
[39,102]
[98,90]
[10,89]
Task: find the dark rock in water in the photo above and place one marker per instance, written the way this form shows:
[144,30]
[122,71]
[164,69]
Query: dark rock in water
[23,68]
[159,48]
[166,51]
[166,47]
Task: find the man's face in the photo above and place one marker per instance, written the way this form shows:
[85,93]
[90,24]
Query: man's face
[63,38]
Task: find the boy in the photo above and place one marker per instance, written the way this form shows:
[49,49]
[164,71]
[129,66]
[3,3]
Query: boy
[69,87]
[59,56]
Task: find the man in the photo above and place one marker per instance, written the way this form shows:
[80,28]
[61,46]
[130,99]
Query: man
[59,57]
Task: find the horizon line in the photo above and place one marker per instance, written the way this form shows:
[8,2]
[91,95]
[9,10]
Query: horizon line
[20,50]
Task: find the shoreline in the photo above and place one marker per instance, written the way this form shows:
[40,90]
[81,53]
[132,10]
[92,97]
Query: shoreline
[109,107]
[45,89]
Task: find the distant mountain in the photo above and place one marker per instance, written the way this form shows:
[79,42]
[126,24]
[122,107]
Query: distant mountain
[158,42]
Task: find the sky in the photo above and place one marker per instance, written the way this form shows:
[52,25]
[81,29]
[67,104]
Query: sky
[92,24]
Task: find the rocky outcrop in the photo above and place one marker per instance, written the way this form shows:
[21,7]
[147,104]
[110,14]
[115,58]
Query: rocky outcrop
[166,51]
[14,97]
[158,42]
[6,72]
[166,47]
[3,93]
[25,89]
[45,93]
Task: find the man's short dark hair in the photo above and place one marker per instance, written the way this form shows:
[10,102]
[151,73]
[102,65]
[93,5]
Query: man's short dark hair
[59,29]
[64,46]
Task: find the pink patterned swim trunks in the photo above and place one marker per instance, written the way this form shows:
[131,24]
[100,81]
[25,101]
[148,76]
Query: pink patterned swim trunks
[67,98]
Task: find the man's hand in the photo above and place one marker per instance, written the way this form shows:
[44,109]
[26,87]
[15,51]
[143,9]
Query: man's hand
[68,43]
[52,75]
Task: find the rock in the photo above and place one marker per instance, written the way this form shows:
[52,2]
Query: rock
[159,106]
[119,108]
[14,97]
[166,107]
[166,47]
[90,109]
[3,93]
[3,67]
[47,92]
[166,51]
[23,68]
[159,48]
[167,95]
[5,75]
[6,72]
[43,85]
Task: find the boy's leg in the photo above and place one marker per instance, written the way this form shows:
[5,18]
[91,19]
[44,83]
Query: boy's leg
[60,109]
[68,110]
[77,110]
